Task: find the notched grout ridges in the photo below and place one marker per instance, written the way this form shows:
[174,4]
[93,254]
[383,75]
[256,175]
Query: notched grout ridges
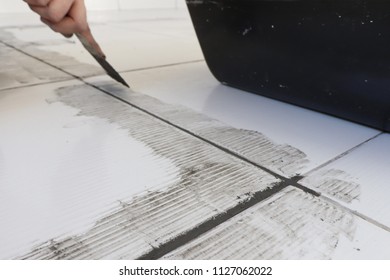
[210,224]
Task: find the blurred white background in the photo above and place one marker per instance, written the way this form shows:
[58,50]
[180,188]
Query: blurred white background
[15,6]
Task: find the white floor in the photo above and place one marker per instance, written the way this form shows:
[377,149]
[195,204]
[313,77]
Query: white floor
[90,169]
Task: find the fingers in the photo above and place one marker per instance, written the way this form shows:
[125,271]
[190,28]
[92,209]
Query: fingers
[66,17]
[63,16]
[67,26]
[41,3]
[54,11]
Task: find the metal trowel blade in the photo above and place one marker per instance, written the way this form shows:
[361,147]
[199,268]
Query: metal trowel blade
[102,61]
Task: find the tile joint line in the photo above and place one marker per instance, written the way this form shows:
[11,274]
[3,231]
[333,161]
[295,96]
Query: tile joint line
[257,198]
[82,79]
[210,224]
[294,181]
[342,154]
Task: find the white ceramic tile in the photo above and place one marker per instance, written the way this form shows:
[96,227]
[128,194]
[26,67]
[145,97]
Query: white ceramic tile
[359,180]
[147,4]
[60,171]
[92,177]
[19,19]
[99,5]
[125,48]
[13,6]
[319,137]
[87,168]
[18,69]
[107,16]
[137,15]
[172,27]
[17,6]
[181,4]
[290,225]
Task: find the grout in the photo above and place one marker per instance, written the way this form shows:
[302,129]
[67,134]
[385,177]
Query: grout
[99,22]
[37,84]
[294,181]
[194,233]
[163,66]
[208,225]
[285,181]
[358,214]
[154,115]
[83,78]
[342,155]
[41,60]
[23,26]
[258,197]
[334,202]
[243,158]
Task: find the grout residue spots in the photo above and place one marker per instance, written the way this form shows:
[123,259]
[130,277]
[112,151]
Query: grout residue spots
[334,183]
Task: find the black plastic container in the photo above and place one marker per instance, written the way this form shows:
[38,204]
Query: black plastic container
[331,56]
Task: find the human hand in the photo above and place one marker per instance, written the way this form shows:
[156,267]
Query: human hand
[66,17]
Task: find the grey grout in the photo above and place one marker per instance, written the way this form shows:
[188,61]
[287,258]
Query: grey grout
[342,155]
[208,225]
[163,66]
[257,198]
[356,213]
[37,84]
[291,181]
[83,78]
[243,158]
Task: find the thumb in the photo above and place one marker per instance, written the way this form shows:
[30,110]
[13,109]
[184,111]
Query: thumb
[67,26]
[76,22]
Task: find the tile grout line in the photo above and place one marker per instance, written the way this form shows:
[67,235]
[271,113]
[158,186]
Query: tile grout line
[163,66]
[356,213]
[281,177]
[330,200]
[83,78]
[294,181]
[219,219]
[285,181]
[347,152]
[210,224]
[43,61]
[160,118]
[37,84]
[98,22]
[232,153]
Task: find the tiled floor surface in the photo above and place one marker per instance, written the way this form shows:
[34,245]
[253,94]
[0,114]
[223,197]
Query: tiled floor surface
[177,167]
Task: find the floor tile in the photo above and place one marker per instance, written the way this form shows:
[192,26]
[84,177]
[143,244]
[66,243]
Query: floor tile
[85,176]
[147,4]
[18,69]
[126,48]
[19,19]
[138,15]
[290,225]
[359,180]
[312,138]
[172,27]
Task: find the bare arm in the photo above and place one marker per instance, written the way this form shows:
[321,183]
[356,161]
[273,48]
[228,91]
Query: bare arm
[65,16]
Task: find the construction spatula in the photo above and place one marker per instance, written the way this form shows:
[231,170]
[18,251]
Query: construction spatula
[101,60]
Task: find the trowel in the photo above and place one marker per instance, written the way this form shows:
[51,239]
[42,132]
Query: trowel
[330,56]
[101,60]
